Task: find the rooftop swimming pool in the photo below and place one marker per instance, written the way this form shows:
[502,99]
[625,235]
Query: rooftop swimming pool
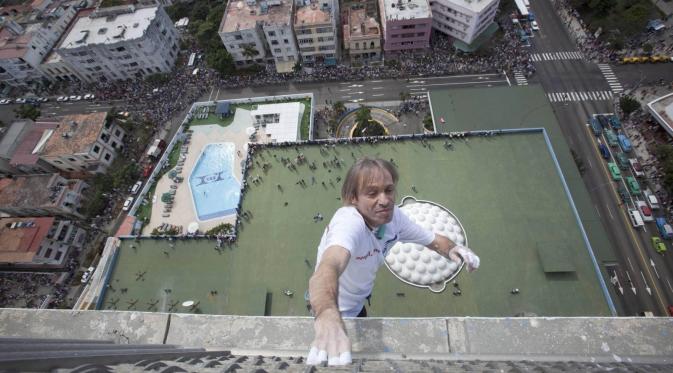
[215,190]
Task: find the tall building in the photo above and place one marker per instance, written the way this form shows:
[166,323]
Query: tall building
[26,40]
[406,25]
[122,42]
[35,241]
[370,7]
[41,195]
[260,32]
[463,19]
[317,34]
[362,37]
[81,143]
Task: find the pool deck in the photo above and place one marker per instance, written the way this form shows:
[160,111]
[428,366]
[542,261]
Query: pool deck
[183,211]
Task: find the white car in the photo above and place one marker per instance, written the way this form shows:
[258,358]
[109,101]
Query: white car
[5,101]
[534,26]
[89,96]
[20,101]
[75,98]
[127,204]
[645,211]
[43,99]
[62,99]
[87,275]
[136,187]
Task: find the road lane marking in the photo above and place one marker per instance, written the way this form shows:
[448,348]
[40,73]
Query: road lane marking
[380,94]
[669,286]
[630,265]
[610,212]
[598,212]
[377,88]
[458,83]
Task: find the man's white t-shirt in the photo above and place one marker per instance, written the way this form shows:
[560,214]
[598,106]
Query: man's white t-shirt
[348,230]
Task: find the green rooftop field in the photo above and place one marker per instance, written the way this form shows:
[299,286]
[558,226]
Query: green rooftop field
[504,189]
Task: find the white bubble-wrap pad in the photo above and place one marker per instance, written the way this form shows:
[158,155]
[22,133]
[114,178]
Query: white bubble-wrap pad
[416,264]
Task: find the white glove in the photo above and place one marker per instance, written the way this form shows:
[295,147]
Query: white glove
[468,256]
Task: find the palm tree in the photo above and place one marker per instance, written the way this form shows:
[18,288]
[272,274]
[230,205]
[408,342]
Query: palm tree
[363,116]
[249,51]
[338,107]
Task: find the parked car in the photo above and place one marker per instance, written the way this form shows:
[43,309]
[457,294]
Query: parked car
[534,26]
[127,204]
[595,126]
[5,101]
[614,171]
[614,121]
[62,99]
[89,96]
[75,98]
[611,137]
[633,185]
[624,143]
[20,101]
[636,219]
[665,229]
[651,199]
[658,245]
[136,187]
[622,161]
[604,150]
[603,121]
[43,99]
[623,193]
[87,275]
[636,167]
[645,211]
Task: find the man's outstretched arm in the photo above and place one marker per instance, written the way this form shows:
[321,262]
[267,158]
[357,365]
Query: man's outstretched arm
[331,343]
[449,249]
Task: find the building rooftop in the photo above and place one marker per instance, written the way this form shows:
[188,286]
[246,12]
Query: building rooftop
[10,138]
[26,152]
[109,30]
[662,110]
[240,15]
[474,5]
[29,191]
[74,134]
[12,45]
[20,238]
[360,26]
[396,10]
[311,15]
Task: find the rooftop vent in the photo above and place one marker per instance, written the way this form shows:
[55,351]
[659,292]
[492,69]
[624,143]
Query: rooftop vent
[85,35]
[102,30]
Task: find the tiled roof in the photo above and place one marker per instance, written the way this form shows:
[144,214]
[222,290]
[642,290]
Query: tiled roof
[21,244]
[23,154]
[240,16]
[75,134]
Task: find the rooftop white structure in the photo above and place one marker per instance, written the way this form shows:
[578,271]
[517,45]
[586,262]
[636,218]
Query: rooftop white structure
[662,110]
[280,121]
[120,43]
[463,19]
[406,9]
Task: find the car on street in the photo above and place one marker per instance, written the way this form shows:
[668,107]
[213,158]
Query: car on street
[603,121]
[5,101]
[614,122]
[75,98]
[603,149]
[42,99]
[611,137]
[636,167]
[534,26]
[645,211]
[658,245]
[20,101]
[89,96]
[624,143]
[62,99]
[136,187]
[127,204]
[633,185]
[623,193]
[614,171]
[665,229]
[595,126]
[651,199]
[622,161]
[636,219]
[87,275]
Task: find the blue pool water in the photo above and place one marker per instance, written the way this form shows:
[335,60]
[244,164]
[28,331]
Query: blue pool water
[215,190]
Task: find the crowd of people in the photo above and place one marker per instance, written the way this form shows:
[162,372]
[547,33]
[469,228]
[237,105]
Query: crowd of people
[33,290]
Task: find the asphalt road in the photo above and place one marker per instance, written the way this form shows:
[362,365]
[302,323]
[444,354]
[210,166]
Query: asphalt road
[642,278]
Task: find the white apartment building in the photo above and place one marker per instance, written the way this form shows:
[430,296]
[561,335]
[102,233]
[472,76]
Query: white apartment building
[24,46]
[82,143]
[119,43]
[315,27]
[463,19]
[260,32]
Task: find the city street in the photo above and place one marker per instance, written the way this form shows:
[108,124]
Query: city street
[643,277]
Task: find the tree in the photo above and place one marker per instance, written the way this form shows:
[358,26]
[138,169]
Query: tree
[249,51]
[647,48]
[27,111]
[363,116]
[602,7]
[339,107]
[628,104]
[220,60]
[427,123]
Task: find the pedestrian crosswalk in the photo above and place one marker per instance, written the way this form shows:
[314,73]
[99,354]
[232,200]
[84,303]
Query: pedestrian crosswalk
[579,96]
[614,84]
[520,78]
[555,56]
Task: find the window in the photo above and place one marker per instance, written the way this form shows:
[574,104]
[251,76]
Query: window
[408,27]
[277,50]
[118,133]
[238,37]
[47,254]
[70,169]
[72,159]
[58,162]
[272,33]
[286,41]
[133,64]
[420,34]
[121,49]
[107,156]
[274,42]
[58,255]
[114,144]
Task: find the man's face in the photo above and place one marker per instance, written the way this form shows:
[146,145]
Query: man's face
[376,198]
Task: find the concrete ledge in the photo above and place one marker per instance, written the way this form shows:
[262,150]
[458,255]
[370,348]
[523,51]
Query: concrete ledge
[585,339]
[120,327]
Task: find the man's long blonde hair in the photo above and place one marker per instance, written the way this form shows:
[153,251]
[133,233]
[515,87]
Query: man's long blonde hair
[361,173]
